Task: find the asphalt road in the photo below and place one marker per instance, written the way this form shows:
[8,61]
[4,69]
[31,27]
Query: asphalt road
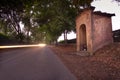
[32,64]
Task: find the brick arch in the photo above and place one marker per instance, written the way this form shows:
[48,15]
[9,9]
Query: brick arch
[83,37]
[84,25]
[94,30]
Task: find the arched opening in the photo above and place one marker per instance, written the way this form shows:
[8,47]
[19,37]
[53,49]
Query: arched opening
[83,38]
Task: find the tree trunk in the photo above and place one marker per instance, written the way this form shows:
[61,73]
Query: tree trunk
[65,36]
[28,39]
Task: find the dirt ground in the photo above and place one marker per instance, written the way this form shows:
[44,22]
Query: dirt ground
[104,65]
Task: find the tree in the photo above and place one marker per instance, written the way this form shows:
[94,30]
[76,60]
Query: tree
[57,15]
[67,10]
[10,14]
[46,19]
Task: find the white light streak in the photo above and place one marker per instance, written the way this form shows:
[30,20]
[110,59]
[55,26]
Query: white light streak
[22,46]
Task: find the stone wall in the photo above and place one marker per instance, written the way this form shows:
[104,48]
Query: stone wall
[84,18]
[102,31]
[98,28]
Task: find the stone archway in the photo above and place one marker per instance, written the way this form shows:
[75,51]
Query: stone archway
[94,30]
[83,38]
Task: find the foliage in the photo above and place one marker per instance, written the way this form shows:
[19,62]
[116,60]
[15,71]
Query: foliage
[11,14]
[43,20]
[54,18]
[3,37]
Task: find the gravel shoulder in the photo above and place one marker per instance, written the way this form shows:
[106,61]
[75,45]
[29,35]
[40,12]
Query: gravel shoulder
[104,65]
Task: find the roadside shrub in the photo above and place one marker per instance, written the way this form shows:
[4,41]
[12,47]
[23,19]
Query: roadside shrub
[3,38]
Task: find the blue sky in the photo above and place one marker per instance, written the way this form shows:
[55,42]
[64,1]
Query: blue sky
[108,6]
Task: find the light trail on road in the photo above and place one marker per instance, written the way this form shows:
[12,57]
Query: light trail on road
[32,64]
[21,46]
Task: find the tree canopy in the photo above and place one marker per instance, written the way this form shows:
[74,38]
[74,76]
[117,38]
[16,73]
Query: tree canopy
[43,20]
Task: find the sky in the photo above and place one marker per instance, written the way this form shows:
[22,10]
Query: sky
[108,6]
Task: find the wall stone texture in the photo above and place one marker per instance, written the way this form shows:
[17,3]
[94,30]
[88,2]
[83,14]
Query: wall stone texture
[98,30]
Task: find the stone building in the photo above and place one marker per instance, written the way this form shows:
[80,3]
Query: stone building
[94,30]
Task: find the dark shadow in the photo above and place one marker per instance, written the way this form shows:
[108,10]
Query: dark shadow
[83,38]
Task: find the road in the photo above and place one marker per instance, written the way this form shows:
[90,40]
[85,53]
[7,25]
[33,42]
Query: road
[32,64]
